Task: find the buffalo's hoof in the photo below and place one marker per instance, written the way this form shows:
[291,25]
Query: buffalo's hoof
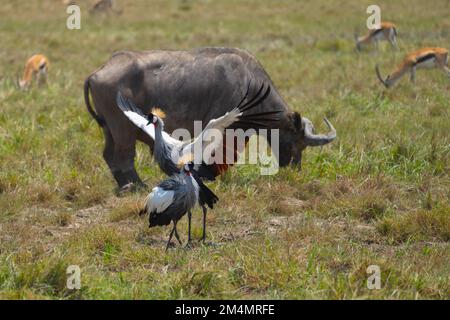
[131,187]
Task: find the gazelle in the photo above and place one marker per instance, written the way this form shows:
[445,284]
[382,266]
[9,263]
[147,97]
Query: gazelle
[387,31]
[106,6]
[36,67]
[425,58]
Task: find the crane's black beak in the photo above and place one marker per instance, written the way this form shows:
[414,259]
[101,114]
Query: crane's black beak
[150,118]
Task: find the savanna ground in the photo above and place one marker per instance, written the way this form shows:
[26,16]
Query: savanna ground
[378,195]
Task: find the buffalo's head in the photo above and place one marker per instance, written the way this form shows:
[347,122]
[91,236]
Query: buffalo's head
[297,133]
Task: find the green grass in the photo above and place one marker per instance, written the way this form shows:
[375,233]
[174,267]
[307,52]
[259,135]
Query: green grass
[377,195]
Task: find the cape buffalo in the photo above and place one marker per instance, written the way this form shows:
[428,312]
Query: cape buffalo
[200,84]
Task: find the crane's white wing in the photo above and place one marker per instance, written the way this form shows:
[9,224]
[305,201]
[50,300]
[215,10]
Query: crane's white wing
[159,199]
[135,115]
[149,129]
[141,122]
[211,138]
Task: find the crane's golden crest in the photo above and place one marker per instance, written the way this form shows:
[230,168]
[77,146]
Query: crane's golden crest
[159,113]
[185,159]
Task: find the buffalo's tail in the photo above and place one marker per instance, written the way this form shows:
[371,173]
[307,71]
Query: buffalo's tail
[100,121]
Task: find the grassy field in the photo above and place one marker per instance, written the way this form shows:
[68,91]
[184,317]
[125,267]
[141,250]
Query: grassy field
[378,195]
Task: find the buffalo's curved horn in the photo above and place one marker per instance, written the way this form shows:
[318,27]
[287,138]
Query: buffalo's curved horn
[377,70]
[312,139]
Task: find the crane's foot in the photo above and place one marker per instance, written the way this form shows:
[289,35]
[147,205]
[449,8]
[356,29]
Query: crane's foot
[189,245]
[211,244]
[170,245]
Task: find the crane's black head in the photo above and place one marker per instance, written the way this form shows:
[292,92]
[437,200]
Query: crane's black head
[152,119]
[156,117]
[188,167]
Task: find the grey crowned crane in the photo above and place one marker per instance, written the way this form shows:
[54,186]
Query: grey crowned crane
[172,198]
[167,151]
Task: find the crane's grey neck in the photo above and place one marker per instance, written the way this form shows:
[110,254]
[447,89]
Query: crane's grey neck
[192,189]
[158,132]
[163,153]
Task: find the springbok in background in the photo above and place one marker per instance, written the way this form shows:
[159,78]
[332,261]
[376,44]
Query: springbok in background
[105,6]
[36,67]
[425,58]
[387,31]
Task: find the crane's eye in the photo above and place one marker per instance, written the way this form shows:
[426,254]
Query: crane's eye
[155,119]
[186,167]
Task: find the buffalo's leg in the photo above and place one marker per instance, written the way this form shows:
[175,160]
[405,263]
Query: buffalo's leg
[124,153]
[108,156]
[143,137]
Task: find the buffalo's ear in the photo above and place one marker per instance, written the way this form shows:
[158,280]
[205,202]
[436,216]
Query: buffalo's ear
[295,121]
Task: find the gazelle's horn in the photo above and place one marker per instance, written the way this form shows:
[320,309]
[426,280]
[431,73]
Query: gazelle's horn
[377,69]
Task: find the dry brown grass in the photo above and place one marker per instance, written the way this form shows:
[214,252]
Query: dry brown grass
[378,195]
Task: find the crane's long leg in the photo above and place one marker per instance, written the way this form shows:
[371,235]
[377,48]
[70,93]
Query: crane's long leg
[204,224]
[189,227]
[171,234]
[178,236]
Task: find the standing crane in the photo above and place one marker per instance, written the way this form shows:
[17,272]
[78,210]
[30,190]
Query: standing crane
[172,198]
